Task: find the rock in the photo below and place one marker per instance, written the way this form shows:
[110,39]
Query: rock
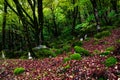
[81,39]
[29,55]
[40,46]
[3,55]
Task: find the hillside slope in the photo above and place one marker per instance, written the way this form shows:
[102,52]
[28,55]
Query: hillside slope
[89,68]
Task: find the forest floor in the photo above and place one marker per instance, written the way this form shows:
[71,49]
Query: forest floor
[89,68]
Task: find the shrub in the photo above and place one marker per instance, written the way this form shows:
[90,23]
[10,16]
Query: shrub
[81,51]
[112,48]
[56,51]
[24,57]
[110,61]
[75,56]
[108,27]
[102,34]
[18,71]
[66,47]
[45,53]
[77,43]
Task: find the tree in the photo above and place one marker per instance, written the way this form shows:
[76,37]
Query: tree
[40,20]
[4,25]
[95,11]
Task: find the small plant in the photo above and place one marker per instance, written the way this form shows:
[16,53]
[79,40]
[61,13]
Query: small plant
[118,41]
[81,51]
[75,56]
[18,71]
[102,34]
[67,66]
[110,61]
[112,48]
[66,59]
[96,51]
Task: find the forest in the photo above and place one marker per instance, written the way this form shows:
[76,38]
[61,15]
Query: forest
[60,39]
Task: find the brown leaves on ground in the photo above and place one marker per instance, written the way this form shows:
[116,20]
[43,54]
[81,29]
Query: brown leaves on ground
[89,68]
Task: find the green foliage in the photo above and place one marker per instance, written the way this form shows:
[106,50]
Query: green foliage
[77,43]
[111,48]
[19,70]
[24,57]
[41,53]
[66,59]
[96,41]
[102,78]
[75,56]
[105,53]
[96,51]
[66,47]
[87,39]
[81,51]
[108,27]
[84,28]
[67,67]
[118,41]
[112,14]
[57,51]
[102,34]
[16,54]
[110,61]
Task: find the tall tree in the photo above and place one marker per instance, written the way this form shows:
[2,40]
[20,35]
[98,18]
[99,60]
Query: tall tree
[95,11]
[40,20]
[74,16]
[25,25]
[4,25]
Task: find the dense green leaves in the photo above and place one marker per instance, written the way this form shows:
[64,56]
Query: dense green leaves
[61,19]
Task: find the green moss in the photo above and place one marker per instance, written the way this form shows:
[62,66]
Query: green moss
[111,48]
[110,61]
[67,67]
[66,47]
[81,51]
[19,70]
[118,41]
[75,56]
[105,53]
[102,34]
[96,51]
[66,59]
[41,53]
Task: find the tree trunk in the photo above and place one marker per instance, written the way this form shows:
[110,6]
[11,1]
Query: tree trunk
[55,29]
[74,15]
[95,11]
[114,5]
[40,21]
[104,16]
[3,26]
[25,25]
